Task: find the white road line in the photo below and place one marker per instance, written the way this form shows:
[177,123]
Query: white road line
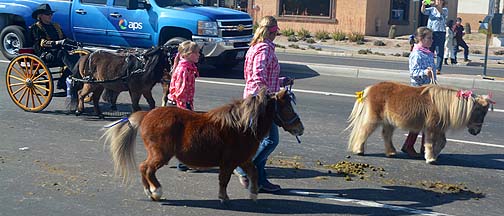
[471,142]
[4,61]
[335,197]
[298,90]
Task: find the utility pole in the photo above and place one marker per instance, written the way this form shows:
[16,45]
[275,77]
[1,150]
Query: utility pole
[491,12]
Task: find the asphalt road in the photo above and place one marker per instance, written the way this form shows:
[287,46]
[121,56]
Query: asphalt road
[471,69]
[66,171]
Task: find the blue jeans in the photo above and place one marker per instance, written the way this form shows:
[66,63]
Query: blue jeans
[438,46]
[266,147]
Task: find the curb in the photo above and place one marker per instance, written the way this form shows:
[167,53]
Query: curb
[459,81]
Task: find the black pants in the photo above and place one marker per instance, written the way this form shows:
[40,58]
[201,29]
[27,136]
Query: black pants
[463,44]
[58,58]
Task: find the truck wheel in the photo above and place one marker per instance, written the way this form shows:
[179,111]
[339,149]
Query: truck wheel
[227,65]
[175,41]
[12,38]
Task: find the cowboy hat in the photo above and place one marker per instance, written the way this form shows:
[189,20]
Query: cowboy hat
[43,8]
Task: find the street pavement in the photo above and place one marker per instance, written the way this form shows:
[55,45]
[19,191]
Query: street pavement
[52,163]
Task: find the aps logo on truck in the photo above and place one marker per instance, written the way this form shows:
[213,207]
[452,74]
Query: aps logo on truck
[124,24]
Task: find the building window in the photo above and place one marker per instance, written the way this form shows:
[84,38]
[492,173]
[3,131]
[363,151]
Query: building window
[399,12]
[305,8]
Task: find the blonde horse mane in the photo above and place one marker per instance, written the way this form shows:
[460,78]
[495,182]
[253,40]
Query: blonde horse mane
[241,114]
[454,111]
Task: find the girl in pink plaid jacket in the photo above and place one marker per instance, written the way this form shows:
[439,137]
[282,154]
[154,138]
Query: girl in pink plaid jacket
[182,84]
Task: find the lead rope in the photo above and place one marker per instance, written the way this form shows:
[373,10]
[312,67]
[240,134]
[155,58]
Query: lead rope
[293,99]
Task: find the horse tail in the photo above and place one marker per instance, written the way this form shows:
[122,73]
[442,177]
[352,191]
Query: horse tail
[76,86]
[121,137]
[356,120]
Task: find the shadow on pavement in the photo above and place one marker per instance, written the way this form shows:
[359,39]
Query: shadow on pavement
[483,161]
[295,71]
[345,201]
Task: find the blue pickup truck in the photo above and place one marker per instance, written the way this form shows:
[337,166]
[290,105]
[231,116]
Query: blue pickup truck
[224,33]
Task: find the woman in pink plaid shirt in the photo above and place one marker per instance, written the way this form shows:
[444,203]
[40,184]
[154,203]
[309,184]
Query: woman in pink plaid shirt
[262,70]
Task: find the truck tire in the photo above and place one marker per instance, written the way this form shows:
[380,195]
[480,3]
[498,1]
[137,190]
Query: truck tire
[227,65]
[11,39]
[175,41]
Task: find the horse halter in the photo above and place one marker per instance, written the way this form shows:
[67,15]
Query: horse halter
[278,118]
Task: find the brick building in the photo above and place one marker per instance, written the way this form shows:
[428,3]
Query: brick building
[371,17]
[474,11]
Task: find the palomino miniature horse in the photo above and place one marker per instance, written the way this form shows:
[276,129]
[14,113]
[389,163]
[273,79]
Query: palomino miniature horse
[227,137]
[432,109]
[116,72]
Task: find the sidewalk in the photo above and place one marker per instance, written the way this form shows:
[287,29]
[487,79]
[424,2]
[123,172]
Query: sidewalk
[332,48]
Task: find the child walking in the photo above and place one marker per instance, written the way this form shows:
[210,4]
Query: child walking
[182,85]
[450,44]
[421,66]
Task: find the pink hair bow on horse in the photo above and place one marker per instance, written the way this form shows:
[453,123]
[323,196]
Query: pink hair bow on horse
[464,93]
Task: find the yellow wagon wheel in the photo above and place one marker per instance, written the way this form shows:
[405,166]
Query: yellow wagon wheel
[29,83]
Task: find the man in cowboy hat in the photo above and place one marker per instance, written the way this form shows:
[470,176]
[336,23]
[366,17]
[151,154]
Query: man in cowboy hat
[48,41]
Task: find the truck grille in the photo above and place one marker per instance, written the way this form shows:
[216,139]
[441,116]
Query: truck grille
[235,28]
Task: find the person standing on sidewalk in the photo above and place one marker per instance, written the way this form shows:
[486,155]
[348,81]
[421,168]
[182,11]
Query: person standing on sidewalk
[438,13]
[450,44]
[459,32]
[262,70]
[421,64]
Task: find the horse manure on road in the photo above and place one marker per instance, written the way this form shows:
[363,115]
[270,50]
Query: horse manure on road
[287,162]
[368,172]
[353,169]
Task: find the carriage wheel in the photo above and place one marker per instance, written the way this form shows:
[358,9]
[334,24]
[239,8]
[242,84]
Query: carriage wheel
[29,83]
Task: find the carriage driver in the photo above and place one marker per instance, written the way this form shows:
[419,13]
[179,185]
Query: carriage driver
[49,41]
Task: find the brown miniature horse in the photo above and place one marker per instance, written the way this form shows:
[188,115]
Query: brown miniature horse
[432,109]
[116,72]
[225,137]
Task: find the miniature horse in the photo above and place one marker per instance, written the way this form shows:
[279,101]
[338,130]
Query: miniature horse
[432,109]
[104,70]
[227,137]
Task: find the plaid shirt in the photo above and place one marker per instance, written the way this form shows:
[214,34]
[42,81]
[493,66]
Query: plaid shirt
[182,85]
[261,68]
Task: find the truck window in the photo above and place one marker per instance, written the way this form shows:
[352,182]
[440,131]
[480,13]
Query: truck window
[120,3]
[95,2]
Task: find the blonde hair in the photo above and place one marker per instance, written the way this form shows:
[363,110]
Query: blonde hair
[262,30]
[185,49]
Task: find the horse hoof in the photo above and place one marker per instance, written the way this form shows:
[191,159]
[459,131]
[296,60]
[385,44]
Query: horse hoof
[430,161]
[156,194]
[147,192]
[360,153]
[253,197]
[390,154]
[78,113]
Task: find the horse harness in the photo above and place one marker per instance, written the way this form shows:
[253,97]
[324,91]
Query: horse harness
[140,69]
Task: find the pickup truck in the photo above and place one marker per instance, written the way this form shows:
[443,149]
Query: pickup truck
[223,33]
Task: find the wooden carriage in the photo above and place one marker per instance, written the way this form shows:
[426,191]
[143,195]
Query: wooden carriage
[30,81]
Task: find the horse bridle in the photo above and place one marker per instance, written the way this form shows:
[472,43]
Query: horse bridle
[278,119]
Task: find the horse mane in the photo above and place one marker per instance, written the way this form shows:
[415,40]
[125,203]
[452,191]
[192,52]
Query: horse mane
[241,114]
[454,111]
[155,61]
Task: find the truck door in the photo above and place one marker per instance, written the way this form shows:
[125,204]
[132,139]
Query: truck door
[89,22]
[130,28]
